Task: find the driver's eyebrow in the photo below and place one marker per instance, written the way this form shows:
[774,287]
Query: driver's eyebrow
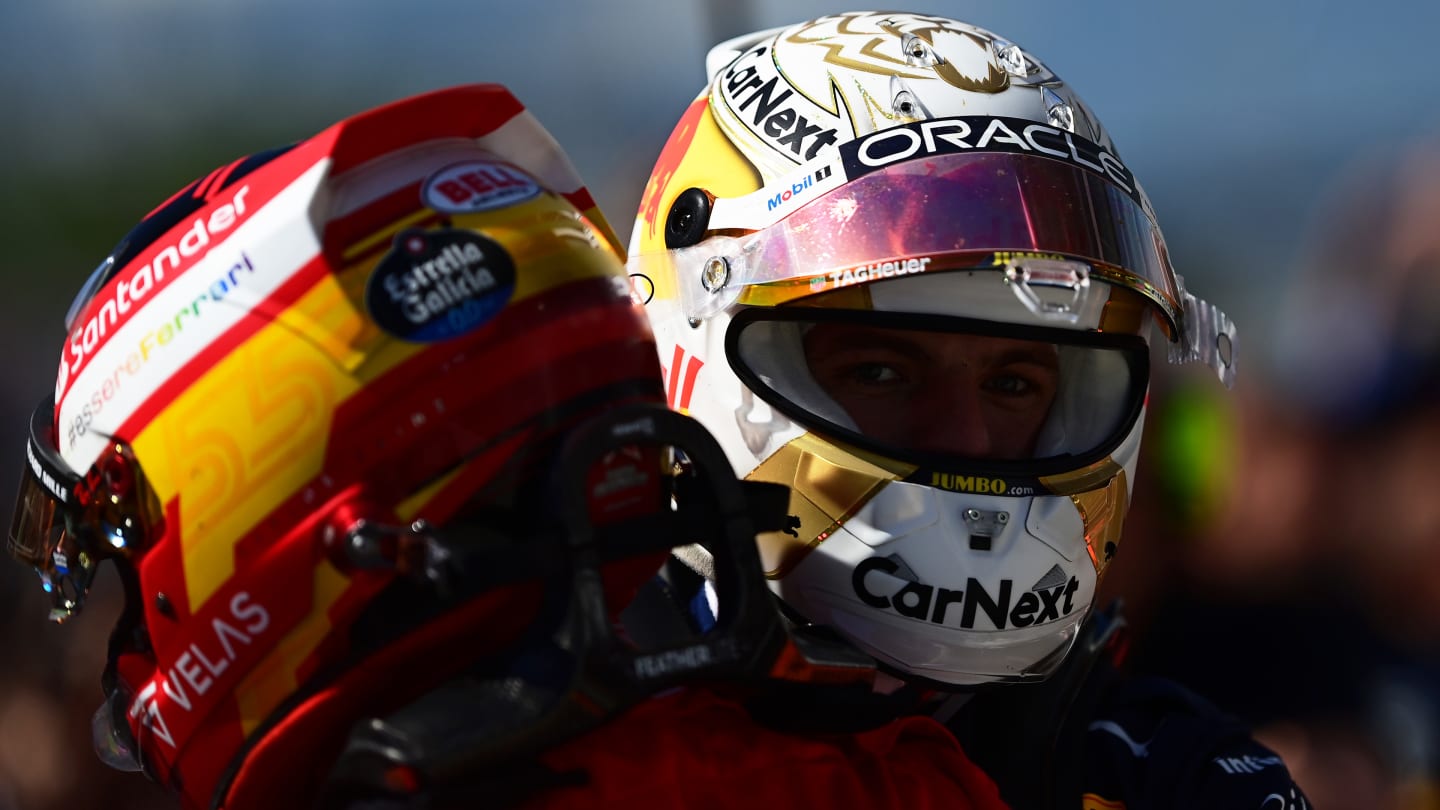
[861,337]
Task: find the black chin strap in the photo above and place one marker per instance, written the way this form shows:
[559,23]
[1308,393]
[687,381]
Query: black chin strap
[128,636]
[1030,737]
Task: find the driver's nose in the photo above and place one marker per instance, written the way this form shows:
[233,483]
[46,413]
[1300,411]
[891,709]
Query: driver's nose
[952,420]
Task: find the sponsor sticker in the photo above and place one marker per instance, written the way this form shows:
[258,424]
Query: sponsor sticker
[439,284]
[477,185]
[797,189]
[969,134]
[170,706]
[1050,599]
[763,101]
[878,270]
[163,263]
[188,324]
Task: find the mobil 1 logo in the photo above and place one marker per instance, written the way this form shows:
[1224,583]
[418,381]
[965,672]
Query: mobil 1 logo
[439,284]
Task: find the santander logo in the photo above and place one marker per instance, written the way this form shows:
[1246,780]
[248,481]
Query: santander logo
[162,263]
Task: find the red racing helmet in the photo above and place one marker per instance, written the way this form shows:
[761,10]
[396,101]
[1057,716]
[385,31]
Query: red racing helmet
[311,409]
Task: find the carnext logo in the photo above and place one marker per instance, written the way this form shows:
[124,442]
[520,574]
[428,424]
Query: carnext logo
[1049,599]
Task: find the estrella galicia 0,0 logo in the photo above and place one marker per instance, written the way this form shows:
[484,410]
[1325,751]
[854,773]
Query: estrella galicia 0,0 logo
[439,284]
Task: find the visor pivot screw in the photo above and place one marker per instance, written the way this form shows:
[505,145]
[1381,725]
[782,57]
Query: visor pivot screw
[716,274]
[694,322]
[1224,348]
[163,606]
[972,514]
[1002,518]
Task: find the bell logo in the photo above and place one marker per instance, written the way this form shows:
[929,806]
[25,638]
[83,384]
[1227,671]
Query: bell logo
[477,185]
[1048,600]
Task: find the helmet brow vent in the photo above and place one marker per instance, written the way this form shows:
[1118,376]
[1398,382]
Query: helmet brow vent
[904,103]
[688,219]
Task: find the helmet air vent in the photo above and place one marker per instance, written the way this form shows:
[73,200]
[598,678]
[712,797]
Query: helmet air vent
[1053,289]
[1057,111]
[983,526]
[1010,57]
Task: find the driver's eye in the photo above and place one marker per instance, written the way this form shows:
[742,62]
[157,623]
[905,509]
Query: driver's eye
[874,373]
[1009,384]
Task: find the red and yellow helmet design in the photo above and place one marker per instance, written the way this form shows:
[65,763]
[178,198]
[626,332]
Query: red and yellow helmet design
[385,325]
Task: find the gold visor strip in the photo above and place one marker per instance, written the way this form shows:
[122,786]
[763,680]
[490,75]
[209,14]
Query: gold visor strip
[828,485]
[1103,513]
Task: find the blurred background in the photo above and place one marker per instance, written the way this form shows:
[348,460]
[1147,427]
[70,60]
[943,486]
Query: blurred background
[1284,556]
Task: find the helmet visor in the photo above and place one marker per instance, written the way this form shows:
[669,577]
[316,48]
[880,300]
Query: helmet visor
[937,213]
[944,392]
[64,525]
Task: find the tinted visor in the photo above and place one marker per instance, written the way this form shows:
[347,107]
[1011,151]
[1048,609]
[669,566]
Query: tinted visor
[38,524]
[938,213]
[945,392]
[65,525]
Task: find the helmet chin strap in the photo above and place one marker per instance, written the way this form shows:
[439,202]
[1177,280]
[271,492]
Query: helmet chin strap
[698,559]
[111,736]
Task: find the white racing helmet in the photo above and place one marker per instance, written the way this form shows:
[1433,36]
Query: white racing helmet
[893,262]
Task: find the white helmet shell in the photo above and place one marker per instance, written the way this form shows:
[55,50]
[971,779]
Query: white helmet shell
[788,93]
[881,171]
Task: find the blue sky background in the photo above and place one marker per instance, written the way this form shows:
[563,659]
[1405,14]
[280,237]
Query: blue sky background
[1234,114]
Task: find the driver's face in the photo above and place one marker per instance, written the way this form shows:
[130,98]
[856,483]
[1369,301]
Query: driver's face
[979,397]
